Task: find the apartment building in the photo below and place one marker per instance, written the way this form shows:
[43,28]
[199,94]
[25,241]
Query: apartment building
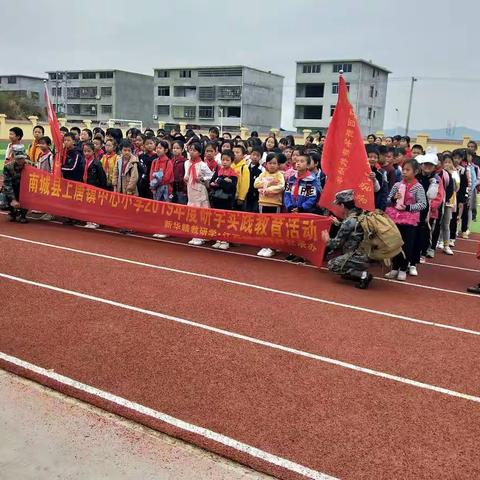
[100,95]
[317,93]
[227,97]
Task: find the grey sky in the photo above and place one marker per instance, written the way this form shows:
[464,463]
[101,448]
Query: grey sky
[425,38]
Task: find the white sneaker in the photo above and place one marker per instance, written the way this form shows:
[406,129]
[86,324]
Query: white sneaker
[412,270]
[392,274]
[224,246]
[269,253]
[194,241]
[261,253]
[447,250]
[430,253]
[451,243]
[217,244]
[159,235]
[402,276]
[91,225]
[422,260]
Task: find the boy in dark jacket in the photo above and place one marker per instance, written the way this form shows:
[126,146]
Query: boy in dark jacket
[72,168]
[12,175]
[255,171]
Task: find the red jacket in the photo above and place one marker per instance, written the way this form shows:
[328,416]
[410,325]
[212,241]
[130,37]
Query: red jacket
[165,164]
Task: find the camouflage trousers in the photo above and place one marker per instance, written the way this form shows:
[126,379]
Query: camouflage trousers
[356,260]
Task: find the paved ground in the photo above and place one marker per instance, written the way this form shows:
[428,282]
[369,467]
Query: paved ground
[45,436]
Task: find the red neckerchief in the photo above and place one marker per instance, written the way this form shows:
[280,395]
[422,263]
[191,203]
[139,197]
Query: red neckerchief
[125,162]
[192,172]
[158,164]
[212,164]
[88,162]
[301,176]
[99,154]
[227,172]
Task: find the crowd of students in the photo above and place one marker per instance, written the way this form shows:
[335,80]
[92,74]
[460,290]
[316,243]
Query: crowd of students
[430,196]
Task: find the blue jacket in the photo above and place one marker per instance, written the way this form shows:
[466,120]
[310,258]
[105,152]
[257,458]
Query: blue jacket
[308,192]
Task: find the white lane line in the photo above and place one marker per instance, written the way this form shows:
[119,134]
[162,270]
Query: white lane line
[451,266]
[463,252]
[257,341]
[252,285]
[163,417]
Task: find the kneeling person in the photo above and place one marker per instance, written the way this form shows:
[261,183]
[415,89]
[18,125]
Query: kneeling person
[12,175]
[351,265]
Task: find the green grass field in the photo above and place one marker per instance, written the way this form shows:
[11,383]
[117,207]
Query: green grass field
[3,147]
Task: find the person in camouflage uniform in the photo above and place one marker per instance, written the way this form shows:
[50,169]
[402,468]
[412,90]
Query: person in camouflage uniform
[352,263]
[12,174]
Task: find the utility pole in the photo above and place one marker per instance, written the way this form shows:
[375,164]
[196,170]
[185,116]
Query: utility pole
[410,104]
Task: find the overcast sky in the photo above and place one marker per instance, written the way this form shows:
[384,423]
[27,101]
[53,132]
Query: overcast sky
[436,39]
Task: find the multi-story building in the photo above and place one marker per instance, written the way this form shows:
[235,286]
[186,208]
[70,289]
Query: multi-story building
[24,86]
[229,97]
[317,93]
[101,95]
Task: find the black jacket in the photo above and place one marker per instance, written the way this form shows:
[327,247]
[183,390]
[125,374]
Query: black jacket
[228,189]
[96,175]
[72,168]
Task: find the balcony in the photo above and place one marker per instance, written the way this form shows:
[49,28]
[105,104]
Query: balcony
[309,123]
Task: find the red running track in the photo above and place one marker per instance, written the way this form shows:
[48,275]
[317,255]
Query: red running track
[331,419]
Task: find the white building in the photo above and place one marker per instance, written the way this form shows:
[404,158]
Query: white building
[231,96]
[317,93]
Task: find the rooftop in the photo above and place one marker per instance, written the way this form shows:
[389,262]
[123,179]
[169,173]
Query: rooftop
[96,70]
[217,66]
[357,60]
[22,76]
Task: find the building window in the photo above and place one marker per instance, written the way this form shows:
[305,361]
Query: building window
[220,72]
[56,91]
[106,74]
[163,110]
[374,72]
[73,109]
[313,112]
[335,88]
[185,74]
[312,90]
[372,90]
[89,75]
[205,112]
[229,93]
[332,110]
[56,76]
[12,80]
[374,112]
[106,91]
[34,95]
[190,92]
[72,75]
[163,91]
[73,92]
[163,73]
[311,68]
[230,112]
[88,92]
[369,114]
[106,109]
[376,93]
[184,112]
[206,93]
[345,67]
[88,109]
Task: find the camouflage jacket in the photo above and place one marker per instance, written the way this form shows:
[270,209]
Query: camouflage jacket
[12,175]
[350,234]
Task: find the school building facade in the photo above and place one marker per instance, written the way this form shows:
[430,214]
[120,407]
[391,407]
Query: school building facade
[101,95]
[316,93]
[224,96]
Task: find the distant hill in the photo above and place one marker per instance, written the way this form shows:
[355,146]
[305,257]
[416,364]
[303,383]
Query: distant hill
[452,133]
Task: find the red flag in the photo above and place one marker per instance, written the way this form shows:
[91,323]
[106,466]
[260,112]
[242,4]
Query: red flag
[344,159]
[56,134]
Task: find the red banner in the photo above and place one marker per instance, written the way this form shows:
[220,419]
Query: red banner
[344,159]
[300,234]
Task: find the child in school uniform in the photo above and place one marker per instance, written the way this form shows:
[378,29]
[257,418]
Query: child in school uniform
[270,185]
[223,189]
[255,171]
[197,175]
[109,161]
[179,186]
[243,185]
[34,150]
